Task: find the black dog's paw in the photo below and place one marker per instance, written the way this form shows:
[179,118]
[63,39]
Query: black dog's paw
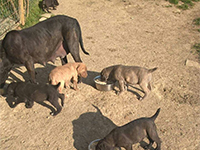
[140,98]
[53,113]
[27,106]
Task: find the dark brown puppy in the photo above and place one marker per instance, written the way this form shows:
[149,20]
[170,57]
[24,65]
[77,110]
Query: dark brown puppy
[30,92]
[129,75]
[49,3]
[131,133]
[43,42]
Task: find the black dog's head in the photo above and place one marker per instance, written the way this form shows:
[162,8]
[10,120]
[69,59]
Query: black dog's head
[103,145]
[11,88]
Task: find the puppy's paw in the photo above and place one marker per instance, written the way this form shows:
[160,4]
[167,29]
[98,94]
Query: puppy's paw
[53,113]
[27,106]
[140,98]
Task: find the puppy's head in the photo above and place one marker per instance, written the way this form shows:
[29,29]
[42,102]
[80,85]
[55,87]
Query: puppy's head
[103,145]
[11,88]
[82,70]
[104,74]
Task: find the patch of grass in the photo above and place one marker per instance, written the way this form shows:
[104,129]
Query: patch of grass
[183,6]
[196,21]
[34,13]
[197,47]
[174,1]
[185,3]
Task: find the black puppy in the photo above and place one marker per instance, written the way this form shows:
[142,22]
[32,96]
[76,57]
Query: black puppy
[49,3]
[30,92]
[131,133]
[126,75]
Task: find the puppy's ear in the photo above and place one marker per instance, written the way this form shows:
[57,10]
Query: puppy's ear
[81,67]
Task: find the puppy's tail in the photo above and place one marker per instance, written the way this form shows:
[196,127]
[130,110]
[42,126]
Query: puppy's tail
[152,70]
[155,115]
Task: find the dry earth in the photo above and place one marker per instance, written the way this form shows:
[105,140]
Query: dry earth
[146,33]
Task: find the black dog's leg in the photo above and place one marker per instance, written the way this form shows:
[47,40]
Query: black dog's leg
[153,137]
[54,102]
[73,45]
[48,10]
[150,143]
[62,97]
[128,147]
[64,60]
[54,8]
[30,68]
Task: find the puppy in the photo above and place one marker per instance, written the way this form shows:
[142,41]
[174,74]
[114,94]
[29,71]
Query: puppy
[129,75]
[64,74]
[49,3]
[131,133]
[30,92]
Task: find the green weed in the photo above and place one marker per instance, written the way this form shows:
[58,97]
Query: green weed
[196,21]
[34,14]
[186,4]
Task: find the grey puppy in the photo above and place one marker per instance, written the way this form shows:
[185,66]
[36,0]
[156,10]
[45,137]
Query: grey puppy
[30,92]
[131,133]
[129,75]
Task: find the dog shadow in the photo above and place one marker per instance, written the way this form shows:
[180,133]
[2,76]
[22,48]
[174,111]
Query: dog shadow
[90,78]
[42,74]
[132,89]
[90,126]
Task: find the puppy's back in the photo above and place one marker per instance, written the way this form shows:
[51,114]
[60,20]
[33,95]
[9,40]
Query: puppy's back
[61,73]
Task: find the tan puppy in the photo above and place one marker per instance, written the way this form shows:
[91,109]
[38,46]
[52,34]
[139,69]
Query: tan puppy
[64,74]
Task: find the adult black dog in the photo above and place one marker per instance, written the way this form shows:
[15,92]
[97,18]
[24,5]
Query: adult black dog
[43,42]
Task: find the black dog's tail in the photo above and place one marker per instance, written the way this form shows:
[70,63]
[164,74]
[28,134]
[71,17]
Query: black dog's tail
[155,115]
[152,70]
[81,40]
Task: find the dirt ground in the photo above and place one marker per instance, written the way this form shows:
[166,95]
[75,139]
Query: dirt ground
[145,33]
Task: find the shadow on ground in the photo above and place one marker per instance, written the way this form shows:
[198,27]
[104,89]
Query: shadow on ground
[90,126]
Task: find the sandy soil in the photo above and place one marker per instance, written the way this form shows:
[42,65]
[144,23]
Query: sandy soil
[146,33]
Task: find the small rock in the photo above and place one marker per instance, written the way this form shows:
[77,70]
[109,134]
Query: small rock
[42,19]
[46,15]
[192,63]
[178,11]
